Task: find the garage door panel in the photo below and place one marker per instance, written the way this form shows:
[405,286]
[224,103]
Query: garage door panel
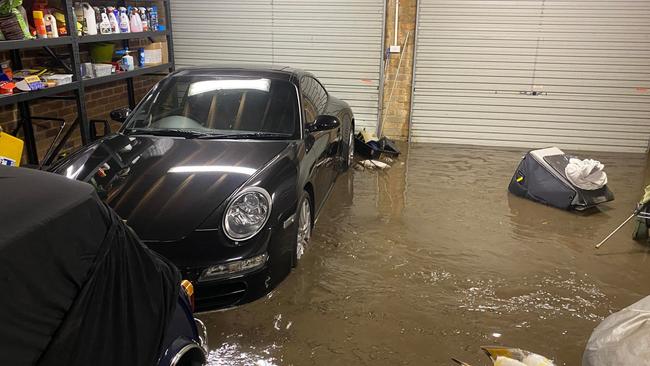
[526,144]
[547,67]
[637,145]
[530,109]
[586,135]
[641,106]
[339,41]
[533,49]
[522,71]
[530,34]
[478,62]
[528,119]
[515,122]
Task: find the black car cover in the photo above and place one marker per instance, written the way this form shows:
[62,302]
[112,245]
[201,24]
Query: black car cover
[541,177]
[77,285]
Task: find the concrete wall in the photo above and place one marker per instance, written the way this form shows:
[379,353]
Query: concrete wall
[395,112]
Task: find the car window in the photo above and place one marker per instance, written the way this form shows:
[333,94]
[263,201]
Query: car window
[223,104]
[321,96]
[314,98]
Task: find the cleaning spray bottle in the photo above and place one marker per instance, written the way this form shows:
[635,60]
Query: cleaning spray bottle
[89,18]
[50,26]
[136,21]
[105,25]
[98,17]
[152,12]
[143,17]
[39,24]
[124,21]
[112,19]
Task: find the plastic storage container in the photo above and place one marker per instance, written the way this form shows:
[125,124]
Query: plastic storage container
[102,69]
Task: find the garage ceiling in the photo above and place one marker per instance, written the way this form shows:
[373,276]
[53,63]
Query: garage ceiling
[534,73]
[339,41]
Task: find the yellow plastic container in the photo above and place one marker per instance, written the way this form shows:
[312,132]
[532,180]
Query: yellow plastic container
[11,150]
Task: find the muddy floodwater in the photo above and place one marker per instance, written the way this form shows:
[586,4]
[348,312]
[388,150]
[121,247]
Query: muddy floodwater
[434,258]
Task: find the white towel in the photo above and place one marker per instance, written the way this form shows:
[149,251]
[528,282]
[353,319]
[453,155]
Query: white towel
[586,174]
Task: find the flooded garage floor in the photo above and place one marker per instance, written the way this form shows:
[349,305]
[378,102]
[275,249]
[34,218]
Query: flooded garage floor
[434,258]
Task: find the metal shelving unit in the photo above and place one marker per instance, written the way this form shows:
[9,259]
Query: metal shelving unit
[78,85]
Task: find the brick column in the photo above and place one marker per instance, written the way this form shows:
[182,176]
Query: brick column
[395,113]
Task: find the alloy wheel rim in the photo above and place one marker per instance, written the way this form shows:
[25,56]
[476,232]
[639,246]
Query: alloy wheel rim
[351,148]
[304,228]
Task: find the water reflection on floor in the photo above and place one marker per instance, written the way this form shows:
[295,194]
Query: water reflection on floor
[434,258]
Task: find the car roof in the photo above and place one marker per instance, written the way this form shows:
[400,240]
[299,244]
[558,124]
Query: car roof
[273,71]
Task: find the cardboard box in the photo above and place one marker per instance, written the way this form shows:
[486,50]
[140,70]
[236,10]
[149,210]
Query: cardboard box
[155,54]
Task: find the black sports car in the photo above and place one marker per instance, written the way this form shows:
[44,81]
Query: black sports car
[224,171]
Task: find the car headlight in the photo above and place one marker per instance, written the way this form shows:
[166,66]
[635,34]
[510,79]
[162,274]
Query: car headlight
[247,213]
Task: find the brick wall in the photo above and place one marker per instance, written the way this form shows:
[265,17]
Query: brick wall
[395,112]
[100,100]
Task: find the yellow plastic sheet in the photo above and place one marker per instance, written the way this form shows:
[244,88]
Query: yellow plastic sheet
[11,150]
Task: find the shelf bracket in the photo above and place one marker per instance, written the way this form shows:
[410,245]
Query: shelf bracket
[58,59]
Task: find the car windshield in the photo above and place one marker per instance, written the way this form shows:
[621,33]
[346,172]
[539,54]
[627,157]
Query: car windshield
[218,106]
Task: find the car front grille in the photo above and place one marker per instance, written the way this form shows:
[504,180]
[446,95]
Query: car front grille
[219,295]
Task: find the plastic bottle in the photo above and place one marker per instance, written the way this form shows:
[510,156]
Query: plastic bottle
[98,17]
[90,27]
[39,24]
[153,18]
[112,19]
[145,19]
[124,21]
[50,26]
[105,25]
[81,21]
[127,61]
[136,21]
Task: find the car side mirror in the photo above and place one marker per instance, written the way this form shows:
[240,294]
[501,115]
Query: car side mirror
[324,123]
[120,115]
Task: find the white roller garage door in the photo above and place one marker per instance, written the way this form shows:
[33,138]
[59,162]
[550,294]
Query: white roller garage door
[339,41]
[532,73]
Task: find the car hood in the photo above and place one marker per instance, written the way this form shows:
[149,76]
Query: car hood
[164,187]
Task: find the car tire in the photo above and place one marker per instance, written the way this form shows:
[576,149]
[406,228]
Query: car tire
[305,224]
[348,150]
[640,231]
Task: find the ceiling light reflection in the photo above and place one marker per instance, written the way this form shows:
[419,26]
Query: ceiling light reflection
[212,169]
[238,84]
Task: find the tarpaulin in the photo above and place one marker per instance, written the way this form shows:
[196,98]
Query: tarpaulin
[623,338]
[77,285]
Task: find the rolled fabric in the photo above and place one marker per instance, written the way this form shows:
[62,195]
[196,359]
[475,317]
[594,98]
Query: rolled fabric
[586,174]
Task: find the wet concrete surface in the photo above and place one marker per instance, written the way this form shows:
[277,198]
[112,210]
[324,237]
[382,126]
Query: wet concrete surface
[434,258]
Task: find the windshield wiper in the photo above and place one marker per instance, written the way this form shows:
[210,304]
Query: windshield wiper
[249,135]
[188,134]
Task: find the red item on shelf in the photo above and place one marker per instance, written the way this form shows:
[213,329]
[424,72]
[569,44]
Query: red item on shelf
[7,87]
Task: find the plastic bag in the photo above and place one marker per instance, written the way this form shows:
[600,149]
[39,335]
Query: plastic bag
[623,338]
[13,24]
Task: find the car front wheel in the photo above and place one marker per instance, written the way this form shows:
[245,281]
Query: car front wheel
[304,218]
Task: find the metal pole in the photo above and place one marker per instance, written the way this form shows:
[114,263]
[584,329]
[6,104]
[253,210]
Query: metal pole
[25,117]
[382,68]
[170,38]
[415,63]
[396,21]
[75,65]
[615,230]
